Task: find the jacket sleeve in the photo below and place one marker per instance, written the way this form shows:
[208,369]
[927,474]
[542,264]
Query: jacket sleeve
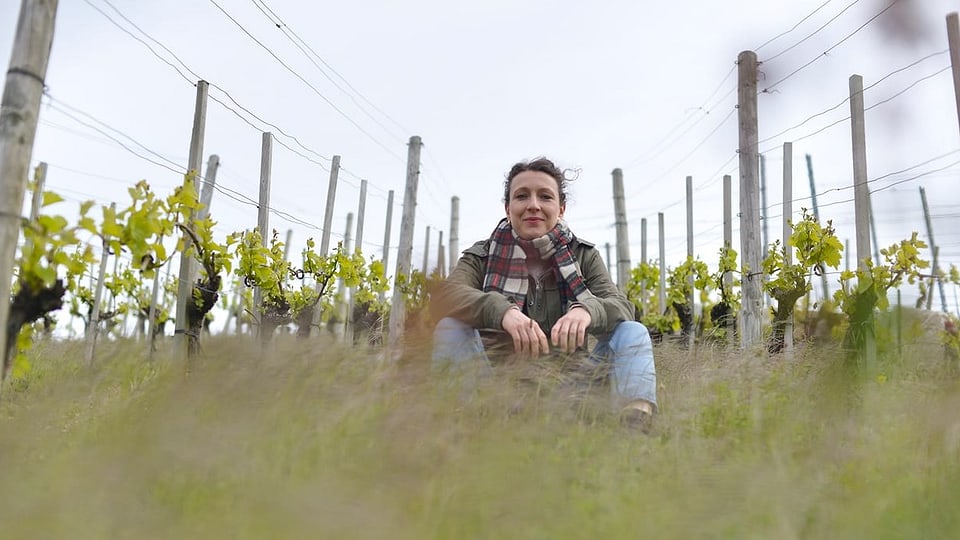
[460,295]
[610,305]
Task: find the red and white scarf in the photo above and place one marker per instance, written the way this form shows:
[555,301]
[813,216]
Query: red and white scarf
[507,273]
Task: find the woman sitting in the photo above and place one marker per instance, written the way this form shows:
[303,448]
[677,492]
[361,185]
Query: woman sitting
[533,278]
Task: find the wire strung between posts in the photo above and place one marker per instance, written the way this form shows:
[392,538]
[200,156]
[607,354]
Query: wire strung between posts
[832,47]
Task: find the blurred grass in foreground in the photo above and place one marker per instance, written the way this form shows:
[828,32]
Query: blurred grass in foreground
[318,441]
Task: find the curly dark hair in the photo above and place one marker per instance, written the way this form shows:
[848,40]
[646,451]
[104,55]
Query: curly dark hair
[544,165]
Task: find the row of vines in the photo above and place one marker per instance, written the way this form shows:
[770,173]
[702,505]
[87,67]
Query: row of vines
[56,255]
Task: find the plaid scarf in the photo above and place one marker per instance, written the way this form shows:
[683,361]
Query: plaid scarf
[507,264]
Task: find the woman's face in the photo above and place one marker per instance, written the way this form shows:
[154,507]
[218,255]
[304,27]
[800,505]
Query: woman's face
[534,205]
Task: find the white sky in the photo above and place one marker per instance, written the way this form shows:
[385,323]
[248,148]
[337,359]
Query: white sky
[593,86]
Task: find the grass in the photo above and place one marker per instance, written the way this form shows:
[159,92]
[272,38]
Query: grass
[321,441]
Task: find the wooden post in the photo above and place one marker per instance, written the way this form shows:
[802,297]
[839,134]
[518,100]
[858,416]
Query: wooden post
[328,212]
[454,231]
[933,249]
[787,232]
[93,329]
[690,281]
[441,263]
[39,181]
[643,259]
[861,194]
[209,183]
[873,232]
[750,248]
[846,254]
[185,288]
[606,247]
[18,127]
[36,200]
[728,243]
[263,219]
[361,210]
[386,239]
[816,215]
[765,242]
[325,235]
[953,38]
[662,299]
[346,303]
[727,222]
[398,314]
[286,244]
[426,251]
[623,242]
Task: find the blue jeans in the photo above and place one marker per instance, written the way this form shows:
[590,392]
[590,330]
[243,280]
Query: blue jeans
[629,348]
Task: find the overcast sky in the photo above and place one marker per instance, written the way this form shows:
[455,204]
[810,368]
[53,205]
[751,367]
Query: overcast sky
[594,86]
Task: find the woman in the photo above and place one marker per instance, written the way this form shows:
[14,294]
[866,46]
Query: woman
[545,288]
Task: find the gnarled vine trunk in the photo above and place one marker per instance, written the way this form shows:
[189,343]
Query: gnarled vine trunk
[27,306]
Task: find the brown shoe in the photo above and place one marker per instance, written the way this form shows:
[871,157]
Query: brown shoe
[638,415]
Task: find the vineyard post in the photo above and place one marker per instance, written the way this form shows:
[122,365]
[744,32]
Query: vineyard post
[386,237]
[263,218]
[185,285]
[816,216]
[36,200]
[728,236]
[286,245]
[154,308]
[426,251]
[643,259]
[94,328]
[116,270]
[751,290]
[623,243]
[933,247]
[328,211]
[690,280]
[361,210]
[454,240]
[873,233]
[606,247]
[663,266]
[953,38]
[345,295]
[441,263]
[40,179]
[405,253]
[846,254]
[209,183]
[18,127]
[861,194]
[325,234]
[787,231]
[765,229]
[933,278]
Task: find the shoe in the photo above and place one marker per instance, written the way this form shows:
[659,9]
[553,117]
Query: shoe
[638,415]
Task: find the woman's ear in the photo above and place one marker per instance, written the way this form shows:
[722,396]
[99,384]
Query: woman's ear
[563,208]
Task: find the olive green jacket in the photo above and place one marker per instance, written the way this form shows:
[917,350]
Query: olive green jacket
[461,296]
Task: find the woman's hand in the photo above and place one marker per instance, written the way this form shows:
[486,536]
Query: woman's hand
[528,338]
[570,331]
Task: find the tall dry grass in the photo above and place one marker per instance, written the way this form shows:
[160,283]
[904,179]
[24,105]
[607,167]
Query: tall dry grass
[322,441]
